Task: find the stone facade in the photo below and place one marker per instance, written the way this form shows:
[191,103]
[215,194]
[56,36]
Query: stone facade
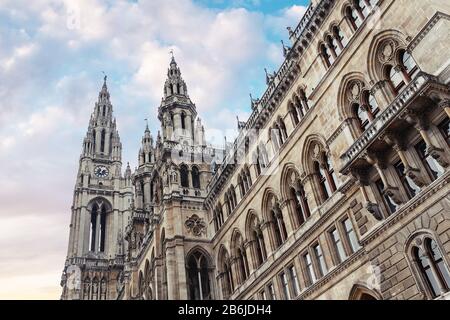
[335,188]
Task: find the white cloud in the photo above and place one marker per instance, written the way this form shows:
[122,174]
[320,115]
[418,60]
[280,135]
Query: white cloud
[51,57]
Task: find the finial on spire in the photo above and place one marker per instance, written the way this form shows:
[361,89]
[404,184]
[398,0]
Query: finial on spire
[146,124]
[105,77]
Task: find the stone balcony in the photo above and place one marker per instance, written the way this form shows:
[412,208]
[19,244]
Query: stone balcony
[414,89]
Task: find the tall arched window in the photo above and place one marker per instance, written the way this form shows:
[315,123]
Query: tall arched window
[195,178]
[97,232]
[324,175]
[353,17]
[332,48]
[300,204]
[233,197]
[141,285]
[241,257]
[226,273]
[294,114]
[432,268]
[198,277]
[400,71]
[275,137]
[327,177]
[256,237]
[102,139]
[325,55]
[338,39]
[274,215]
[279,229]
[184,176]
[283,130]
[183,120]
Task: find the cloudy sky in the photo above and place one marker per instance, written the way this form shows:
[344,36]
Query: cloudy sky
[52,54]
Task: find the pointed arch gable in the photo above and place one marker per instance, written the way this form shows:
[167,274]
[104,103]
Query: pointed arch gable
[343,105]
[249,220]
[203,251]
[289,170]
[268,195]
[359,290]
[375,71]
[310,142]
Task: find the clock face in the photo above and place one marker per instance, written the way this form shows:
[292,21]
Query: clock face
[101,172]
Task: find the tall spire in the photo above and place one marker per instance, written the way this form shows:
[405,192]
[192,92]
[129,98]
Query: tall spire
[175,84]
[102,138]
[146,153]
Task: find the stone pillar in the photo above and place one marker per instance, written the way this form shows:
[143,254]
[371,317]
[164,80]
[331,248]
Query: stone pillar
[98,140]
[107,141]
[146,193]
[250,257]
[176,126]
[267,238]
[445,104]
[381,94]
[236,272]
[181,272]
[83,232]
[97,231]
[286,218]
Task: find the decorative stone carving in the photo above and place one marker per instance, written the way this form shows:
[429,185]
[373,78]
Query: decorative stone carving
[374,209]
[195,225]
[387,50]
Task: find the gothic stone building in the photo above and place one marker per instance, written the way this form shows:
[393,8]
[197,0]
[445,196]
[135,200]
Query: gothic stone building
[335,187]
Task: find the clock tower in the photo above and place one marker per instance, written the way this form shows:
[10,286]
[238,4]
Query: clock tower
[100,211]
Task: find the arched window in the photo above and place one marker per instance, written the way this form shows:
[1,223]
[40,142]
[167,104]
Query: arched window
[395,79]
[332,48]
[408,63]
[256,237]
[198,277]
[275,137]
[183,120]
[141,285]
[299,106]
[283,130]
[326,175]
[300,204]
[325,55]
[363,7]
[338,39]
[241,185]
[432,268]
[195,178]
[241,257]
[361,114]
[226,273]
[184,176]
[279,229]
[353,17]
[294,115]
[233,199]
[102,139]
[97,232]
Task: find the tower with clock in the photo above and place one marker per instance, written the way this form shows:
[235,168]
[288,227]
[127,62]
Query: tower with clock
[100,210]
[121,220]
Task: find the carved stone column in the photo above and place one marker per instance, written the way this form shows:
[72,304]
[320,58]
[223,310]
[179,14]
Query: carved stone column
[445,104]
[363,181]
[250,257]
[389,190]
[421,124]
[399,146]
